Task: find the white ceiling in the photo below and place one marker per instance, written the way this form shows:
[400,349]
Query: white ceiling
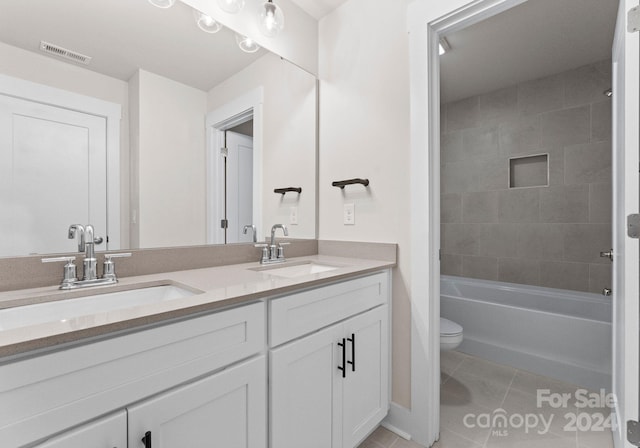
[533,40]
[318,8]
[124,35]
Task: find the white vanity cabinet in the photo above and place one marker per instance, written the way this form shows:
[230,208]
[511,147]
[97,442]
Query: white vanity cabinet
[227,409]
[107,432]
[329,388]
[196,366]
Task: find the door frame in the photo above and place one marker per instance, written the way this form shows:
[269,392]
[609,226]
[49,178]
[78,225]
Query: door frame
[111,112]
[427,22]
[217,122]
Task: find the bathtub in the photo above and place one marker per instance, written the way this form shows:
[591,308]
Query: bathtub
[558,333]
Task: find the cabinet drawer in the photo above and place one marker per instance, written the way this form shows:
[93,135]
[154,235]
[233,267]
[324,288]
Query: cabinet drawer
[46,394]
[298,314]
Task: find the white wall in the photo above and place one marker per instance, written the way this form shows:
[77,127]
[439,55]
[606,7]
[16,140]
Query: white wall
[364,132]
[62,75]
[168,146]
[289,138]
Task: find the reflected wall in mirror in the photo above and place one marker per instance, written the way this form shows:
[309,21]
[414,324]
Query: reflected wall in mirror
[155,177]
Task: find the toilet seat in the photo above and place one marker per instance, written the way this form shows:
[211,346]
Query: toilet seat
[450,334]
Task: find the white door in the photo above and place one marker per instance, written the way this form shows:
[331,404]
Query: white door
[304,385]
[52,174]
[227,410]
[625,286]
[365,396]
[239,186]
[108,432]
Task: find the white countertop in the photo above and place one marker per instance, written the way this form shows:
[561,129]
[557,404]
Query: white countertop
[216,287]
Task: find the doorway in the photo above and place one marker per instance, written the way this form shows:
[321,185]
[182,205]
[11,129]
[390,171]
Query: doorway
[425,108]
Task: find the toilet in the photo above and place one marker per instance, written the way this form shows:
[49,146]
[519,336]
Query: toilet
[450,334]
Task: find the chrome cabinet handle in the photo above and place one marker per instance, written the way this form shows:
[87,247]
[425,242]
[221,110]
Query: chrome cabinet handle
[606,292]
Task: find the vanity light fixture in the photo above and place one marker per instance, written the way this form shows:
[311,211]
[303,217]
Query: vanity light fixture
[443,46]
[162,3]
[247,44]
[271,19]
[206,23]
[231,6]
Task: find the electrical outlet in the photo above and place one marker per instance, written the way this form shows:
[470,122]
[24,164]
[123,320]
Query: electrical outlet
[293,216]
[349,214]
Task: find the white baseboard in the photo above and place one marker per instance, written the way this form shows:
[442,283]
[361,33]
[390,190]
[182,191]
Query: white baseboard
[398,421]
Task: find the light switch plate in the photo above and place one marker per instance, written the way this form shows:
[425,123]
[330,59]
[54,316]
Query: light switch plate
[349,214]
[293,216]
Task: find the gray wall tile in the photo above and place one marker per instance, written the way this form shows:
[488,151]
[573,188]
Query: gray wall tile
[498,240]
[541,241]
[491,174]
[451,147]
[586,84]
[599,277]
[600,201]
[498,106]
[485,268]
[451,208]
[552,235]
[541,95]
[601,121]
[565,204]
[480,207]
[588,163]
[519,270]
[566,126]
[481,142]
[563,275]
[463,114]
[519,135]
[584,242]
[519,205]
[451,264]
[460,239]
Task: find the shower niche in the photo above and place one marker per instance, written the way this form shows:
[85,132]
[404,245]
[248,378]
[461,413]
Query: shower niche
[529,171]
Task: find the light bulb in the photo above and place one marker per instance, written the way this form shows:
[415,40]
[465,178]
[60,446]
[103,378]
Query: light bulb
[231,6]
[206,23]
[162,3]
[271,19]
[247,44]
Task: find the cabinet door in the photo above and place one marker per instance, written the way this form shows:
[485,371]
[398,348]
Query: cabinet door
[365,397]
[304,385]
[227,409]
[108,432]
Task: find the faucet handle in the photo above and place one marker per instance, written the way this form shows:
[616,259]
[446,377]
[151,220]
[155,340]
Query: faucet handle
[265,251]
[120,255]
[69,269]
[109,267]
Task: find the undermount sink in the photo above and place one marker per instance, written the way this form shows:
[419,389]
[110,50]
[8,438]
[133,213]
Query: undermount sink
[96,301]
[296,270]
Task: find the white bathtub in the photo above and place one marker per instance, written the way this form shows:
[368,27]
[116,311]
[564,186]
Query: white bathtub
[561,334]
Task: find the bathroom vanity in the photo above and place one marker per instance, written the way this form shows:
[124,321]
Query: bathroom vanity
[254,358]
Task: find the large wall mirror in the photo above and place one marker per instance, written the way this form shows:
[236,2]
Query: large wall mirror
[138,121]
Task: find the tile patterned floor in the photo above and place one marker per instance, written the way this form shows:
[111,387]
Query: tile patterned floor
[474,386]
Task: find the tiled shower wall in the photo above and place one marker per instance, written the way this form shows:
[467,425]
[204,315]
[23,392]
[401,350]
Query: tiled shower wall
[549,235]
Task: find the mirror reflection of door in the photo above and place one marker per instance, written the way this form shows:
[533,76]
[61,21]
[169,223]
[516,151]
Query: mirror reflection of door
[52,174]
[239,182]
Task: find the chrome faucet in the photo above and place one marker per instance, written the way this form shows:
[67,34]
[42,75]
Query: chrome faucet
[270,252]
[273,232]
[86,244]
[253,230]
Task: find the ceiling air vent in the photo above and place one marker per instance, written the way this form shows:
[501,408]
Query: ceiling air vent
[64,53]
